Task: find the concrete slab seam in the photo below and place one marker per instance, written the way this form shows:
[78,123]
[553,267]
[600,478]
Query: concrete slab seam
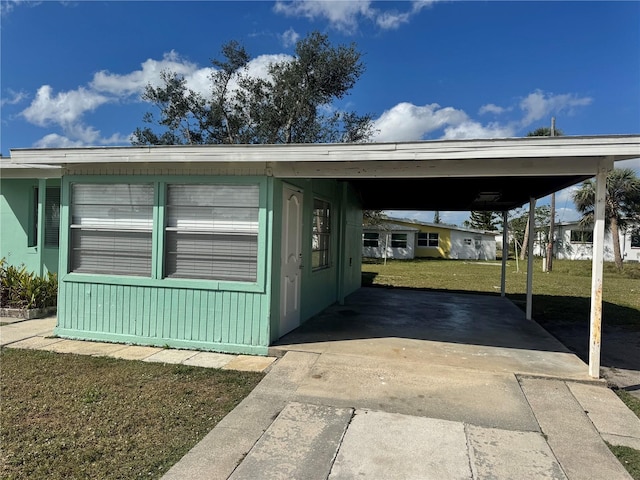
[531,409]
[586,381]
[470,454]
[340,442]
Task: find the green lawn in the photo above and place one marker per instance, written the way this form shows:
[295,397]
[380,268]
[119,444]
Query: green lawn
[562,295]
[69,416]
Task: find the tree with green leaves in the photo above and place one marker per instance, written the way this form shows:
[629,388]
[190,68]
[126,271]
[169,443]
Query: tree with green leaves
[483,221]
[295,103]
[519,225]
[622,204]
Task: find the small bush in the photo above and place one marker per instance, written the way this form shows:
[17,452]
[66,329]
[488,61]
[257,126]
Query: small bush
[22,289]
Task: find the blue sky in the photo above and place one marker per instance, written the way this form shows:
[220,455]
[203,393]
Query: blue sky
[72,72]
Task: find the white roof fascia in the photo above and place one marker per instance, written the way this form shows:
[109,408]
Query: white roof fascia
[8,169]
[524,149]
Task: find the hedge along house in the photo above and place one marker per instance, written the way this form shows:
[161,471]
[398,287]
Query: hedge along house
[229,247]
[29,215]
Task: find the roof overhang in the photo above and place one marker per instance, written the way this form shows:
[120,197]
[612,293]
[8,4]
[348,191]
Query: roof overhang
[494,174]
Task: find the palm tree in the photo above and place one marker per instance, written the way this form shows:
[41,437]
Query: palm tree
[622,204]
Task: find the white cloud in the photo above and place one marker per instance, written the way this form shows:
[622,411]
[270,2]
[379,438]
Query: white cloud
[450,218]
[63,108]
[53,140]
[342,16]
[13,97]
[407,122]
[345,15]
[135,82]
[491,108]
[473,129]
[290,37]
[539,105]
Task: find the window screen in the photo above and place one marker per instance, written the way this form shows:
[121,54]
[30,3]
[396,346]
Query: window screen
[581,236]
[398,240]
[52,217]
[371,239]
[212,232]
[321,234]
[111,229]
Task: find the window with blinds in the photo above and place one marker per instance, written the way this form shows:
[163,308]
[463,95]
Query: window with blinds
[52,217]
[111,229]
[212,232]
[321,234]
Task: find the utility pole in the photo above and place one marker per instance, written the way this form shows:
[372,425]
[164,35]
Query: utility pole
[553,213]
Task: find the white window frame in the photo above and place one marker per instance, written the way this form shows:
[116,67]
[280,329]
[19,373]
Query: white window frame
[104,225]
[429,239]
[321,234]
[371,241]
[401,240]
[211,232]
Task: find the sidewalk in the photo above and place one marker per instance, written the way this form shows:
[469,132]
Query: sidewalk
[315,418]
[340,415]
[38,335]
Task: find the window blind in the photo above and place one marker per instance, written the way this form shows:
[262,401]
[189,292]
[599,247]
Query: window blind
[212,232]
[52,217]
[111,228]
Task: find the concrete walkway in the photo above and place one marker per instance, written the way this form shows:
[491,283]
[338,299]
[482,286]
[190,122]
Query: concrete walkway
[426,405]
[382,388]
[38,335]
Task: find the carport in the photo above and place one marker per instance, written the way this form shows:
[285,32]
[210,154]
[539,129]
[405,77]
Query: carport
[464,175]
[481,175]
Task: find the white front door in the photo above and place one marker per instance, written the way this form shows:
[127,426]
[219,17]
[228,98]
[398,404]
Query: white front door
[291,267]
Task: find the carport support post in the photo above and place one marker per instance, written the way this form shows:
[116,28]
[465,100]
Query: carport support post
[505,254]
[532,229]
[595,331]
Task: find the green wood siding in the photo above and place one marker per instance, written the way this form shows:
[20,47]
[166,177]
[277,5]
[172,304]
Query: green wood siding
[177,317]
[222,316]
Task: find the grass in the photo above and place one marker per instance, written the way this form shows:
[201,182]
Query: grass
[560,296]
[69,416]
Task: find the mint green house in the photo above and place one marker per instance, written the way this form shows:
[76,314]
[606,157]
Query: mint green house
[179,246]
[229,247]
[29,216]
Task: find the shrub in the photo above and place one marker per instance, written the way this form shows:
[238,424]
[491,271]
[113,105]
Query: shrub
[22,289]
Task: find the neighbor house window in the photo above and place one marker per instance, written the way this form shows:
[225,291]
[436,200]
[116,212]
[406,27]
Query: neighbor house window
[398,240]
[111,229]
[635,239]
[467,241]
[52,217]
[370,239]
[428,239]
[321,234]
[212,232]
[581,236]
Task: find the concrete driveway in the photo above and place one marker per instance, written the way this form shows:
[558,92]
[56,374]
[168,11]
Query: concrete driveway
[417,385]
[430,329]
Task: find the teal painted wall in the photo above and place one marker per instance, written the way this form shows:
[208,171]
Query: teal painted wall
[153,315]
[199,314]
[320,288]
[17,220]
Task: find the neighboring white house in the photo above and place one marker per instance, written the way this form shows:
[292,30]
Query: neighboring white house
[389,241]
[406,239]
[575,242]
